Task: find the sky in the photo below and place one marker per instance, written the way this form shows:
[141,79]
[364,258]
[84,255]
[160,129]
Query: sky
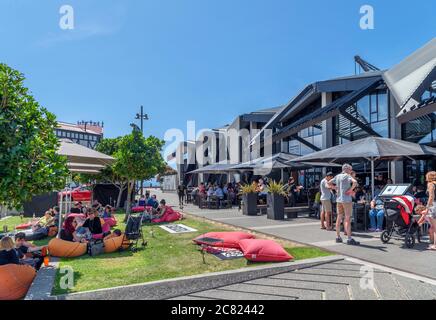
[201,60]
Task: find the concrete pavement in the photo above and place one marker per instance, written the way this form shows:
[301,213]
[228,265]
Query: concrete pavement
[307,230]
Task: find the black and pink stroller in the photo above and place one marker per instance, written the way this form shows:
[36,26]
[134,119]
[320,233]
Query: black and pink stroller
[400,223]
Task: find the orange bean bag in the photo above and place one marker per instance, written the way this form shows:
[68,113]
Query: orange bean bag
[113,244]
[66,249]
[15,281]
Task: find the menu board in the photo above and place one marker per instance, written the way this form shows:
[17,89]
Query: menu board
[392,190]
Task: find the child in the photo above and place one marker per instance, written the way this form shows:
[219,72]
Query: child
[427,215]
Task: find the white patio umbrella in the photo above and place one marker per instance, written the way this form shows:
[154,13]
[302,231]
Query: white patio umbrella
[80,160]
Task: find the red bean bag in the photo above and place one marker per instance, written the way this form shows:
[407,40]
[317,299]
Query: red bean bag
[261,250]
[169,216]
[224,239]
[23,226]
[138,209]
[112,222]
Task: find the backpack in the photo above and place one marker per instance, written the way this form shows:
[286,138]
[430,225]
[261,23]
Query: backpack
[95,247]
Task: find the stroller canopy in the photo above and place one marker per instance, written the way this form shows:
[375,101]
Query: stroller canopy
[407,202]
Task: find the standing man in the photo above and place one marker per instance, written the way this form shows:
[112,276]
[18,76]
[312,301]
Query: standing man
[181,190]
[344,184]
[326,202]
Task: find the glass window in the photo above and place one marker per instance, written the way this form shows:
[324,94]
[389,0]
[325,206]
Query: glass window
[363,110]
[382,101]
[381,128]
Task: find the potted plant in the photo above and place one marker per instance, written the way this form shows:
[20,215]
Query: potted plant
[276,201]
[249,199]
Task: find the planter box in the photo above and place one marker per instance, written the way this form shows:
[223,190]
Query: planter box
[250,204]
[276,207]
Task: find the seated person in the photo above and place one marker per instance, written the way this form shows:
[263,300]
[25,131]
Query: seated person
[115,234]
[93,223]
[202,189]
[29,253]
[152,202]
[210,193]
[68,232]
[219,193]
[55,216]
[107,213]
[8,253]
[142,202]
[78,208]
[376,215]
[96,204]
[163,210]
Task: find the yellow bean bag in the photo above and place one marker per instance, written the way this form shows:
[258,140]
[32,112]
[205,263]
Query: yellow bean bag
[113,244]
[15,281]
[66,249]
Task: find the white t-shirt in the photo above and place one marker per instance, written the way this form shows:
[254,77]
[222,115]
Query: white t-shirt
[326,193]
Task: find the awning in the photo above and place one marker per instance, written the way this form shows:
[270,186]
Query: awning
[214,168]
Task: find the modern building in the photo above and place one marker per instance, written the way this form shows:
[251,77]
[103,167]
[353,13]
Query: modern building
[397,103]
[85,133]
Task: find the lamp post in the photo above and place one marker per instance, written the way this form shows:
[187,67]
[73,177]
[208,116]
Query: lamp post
[142,116]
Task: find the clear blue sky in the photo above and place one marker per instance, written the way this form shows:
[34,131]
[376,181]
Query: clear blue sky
[203,60]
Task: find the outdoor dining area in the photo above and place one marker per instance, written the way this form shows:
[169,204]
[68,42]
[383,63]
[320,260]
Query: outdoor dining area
[248,185]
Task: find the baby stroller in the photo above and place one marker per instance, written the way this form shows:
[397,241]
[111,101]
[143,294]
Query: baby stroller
[400,223]
[134,233]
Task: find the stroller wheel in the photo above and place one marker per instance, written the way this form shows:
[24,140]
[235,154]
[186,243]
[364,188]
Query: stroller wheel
[410,241]
[385,237]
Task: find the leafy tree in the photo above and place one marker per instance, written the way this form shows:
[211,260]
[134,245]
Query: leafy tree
[138,158]
[29,163]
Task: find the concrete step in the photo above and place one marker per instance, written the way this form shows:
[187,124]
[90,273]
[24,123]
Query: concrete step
[331,291]
[238,295]
[301,293]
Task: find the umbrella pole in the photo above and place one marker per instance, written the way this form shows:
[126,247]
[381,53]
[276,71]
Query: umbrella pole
[372,178]
[60,214]
[281,175]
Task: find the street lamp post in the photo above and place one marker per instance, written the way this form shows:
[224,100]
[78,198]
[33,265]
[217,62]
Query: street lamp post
[142,116]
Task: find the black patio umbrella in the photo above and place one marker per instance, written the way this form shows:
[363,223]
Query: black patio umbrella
[372,149]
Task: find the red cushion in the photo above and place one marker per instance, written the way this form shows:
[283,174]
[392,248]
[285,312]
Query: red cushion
[169,216]
[23,226]
[138,209]
[229,239]
[261,250]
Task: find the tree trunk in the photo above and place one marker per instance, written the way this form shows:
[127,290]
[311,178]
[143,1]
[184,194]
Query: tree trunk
[121,188]
[130,186]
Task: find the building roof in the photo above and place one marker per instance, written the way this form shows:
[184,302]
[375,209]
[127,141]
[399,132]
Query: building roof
[76,128]
[411,77]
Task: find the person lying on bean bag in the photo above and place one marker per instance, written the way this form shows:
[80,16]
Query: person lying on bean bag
[166,214]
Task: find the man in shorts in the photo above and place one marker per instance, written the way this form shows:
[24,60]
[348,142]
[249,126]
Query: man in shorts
[344,184]
[326,202]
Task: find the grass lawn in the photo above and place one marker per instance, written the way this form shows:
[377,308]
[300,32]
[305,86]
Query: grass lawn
[166,256]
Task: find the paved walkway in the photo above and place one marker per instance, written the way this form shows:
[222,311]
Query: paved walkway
[340,280]
[307,230]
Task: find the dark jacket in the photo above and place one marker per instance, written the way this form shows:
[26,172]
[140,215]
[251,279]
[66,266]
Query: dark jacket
[9,257]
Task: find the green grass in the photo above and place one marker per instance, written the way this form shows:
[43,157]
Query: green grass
[166,256]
